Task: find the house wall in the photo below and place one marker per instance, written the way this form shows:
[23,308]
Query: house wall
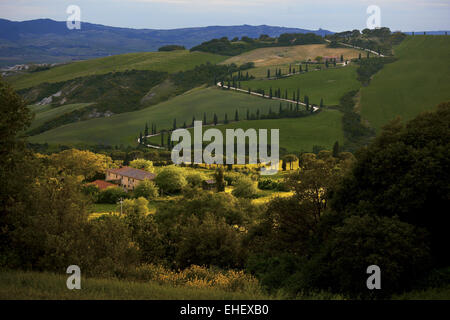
[125,182]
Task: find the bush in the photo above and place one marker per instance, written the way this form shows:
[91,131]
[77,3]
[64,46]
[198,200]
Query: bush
[245,188]
[170,180]
[210,241]
[111,195]
[146,189]
[195,179]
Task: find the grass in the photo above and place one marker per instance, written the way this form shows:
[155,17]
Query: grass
[46,113]
[297,134]
[174,61]
[329,84]
[417,82]
[264,57]
[124,128]
[427,294]
[19,285]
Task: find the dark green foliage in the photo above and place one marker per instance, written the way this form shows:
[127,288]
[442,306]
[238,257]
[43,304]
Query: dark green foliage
[404,173]
[355,133]
[368,67]
[171,48]
[111,195]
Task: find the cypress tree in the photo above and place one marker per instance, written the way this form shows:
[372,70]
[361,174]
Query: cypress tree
[268,73]
[226,119]
[236,116]
[270,93]
[215,119]
[342,58]
[321,103]
[249,90]
[184,125]
[248,114]
[281,108]
[140,137]
[146,130]
[169,143]
[162,138]
[290,69]
[336,149]
[257,114]
[204,118]
[175,124]
[193,120]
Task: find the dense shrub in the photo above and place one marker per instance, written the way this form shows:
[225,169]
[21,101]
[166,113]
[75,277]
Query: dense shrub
[170,180]
[245,188]
[112,195]
[146,189]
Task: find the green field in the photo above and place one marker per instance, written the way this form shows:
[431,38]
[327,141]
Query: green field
[418,81]
[19,285]
[330,84]
[174,61]
[46,114]
[124,128]
[297,134]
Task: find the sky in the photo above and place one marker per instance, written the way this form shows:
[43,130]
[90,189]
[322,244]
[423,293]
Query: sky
[334,15]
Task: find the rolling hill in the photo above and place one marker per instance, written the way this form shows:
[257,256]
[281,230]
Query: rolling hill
[174,61]
[417,81]
[49,41]
[322,129]
[275,56]
[329,84]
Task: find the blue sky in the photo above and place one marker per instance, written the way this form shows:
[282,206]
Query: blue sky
[335,15]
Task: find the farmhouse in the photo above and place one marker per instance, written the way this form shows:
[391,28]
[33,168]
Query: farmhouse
[128,178]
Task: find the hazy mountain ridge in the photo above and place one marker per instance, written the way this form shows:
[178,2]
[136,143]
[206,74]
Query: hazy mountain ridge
[46,40]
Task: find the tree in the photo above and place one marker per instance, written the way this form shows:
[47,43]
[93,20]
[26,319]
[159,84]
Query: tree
[336,149]
[170,180]
[248,114]
[321,103]
[174,124]
[85,164]
[290,158]
[405,190]
[215,119]
[342,58]
[204,118]
[226,119]
[236,116]
[146,189]
[220,182]
[268,73]
[142,164]
[162,138]
[146,130]
[140,138]
[245,188]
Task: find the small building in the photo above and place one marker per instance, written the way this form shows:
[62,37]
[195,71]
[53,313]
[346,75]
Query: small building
[127,177]
[209,185]
[102,185]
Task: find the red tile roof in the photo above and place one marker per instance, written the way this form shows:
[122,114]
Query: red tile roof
[102,184]
[133,173]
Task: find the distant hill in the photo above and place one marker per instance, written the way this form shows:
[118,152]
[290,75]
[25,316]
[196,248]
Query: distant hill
[49,41]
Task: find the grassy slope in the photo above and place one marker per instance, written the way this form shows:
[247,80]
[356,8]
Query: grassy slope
[173,61]
[32,285]
[418,81]
[298,134]
[44,115]
[330,84]
[124,128]
[284,55]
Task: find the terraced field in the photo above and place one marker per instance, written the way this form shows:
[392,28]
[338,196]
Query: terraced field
[418,81]
[170,62]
